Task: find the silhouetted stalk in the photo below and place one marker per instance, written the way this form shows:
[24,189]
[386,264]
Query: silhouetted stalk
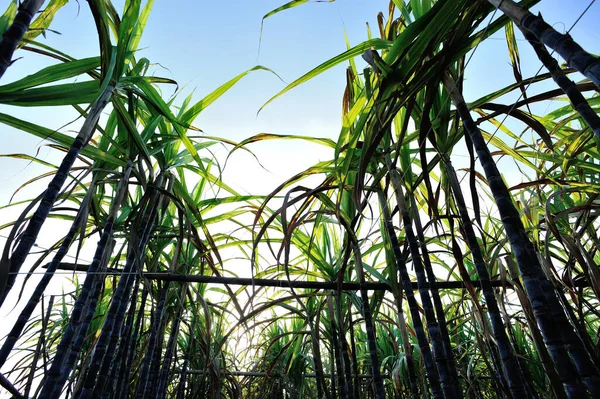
[579,102]
[332,372]
[355,380]
[15,32]
[495,366]
[335,344]
[121,356]
[317,359]
[580,329]
[37,220]
[587,370]
[114,317]
[113,348]
[143,385]
[406,345]
[6,384]
[564,45]
[53,383]
[439,349]
[430,368]
[76,344]
[511,368]
[39,345]
[34,299]
[538,342]
[124,377]
[156,360]
[437,301]
[184,367]
[163,379]
[524,252]
[162,374]
[344,345]
[396,290]
[366,311]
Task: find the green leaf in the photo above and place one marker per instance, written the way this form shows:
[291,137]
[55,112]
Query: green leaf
[376,44]
[59,138]
[9,15]
[63,94]
[43,21]
[271,136]
[191,114]
[53,73]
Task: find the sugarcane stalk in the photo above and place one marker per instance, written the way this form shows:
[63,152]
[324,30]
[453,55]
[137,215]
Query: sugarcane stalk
[577,99]
[564,45]
[37,220]
[124,377]
[184,368]
[53,383]
[15,32]
[121,356]
[439,349]
[74,343]
[335,344]
[437,301]
[113,347]
[344,345]
[39,345]
[114,319]
[171,347]
[543,305]
[6,384]
[17,329]
[406,345]
[143,384]
[366,312]
[430,367]
[355,371]
[510,365]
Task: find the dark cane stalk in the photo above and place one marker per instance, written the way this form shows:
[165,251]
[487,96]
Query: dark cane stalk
[114,317]
[509,362]
[437,301]
[545,304]
[171,347]
[143,383]
[567,85]
[337,351]
[34,299]
[6,384]
[15,32]
[37,220]
[439,350]
[366,311]
[564,45]
[430,368]
[53,382]
[121,356]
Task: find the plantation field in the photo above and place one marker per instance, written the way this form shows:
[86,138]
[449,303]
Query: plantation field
[276,200]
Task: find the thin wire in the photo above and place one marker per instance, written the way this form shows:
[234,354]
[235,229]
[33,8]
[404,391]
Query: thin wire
[581,16]
[70,272]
